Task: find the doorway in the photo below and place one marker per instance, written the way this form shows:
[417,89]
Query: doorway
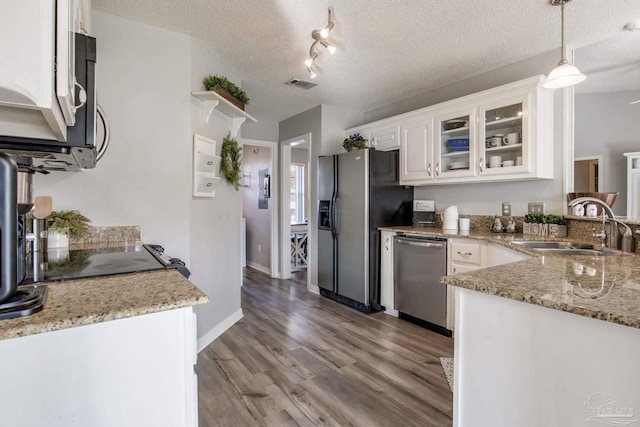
[260,205]
[587,174]
[295,206]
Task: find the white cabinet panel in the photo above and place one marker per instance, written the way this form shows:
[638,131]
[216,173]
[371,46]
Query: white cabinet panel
[416,149]
[386,272]
[37,75]
[385,137]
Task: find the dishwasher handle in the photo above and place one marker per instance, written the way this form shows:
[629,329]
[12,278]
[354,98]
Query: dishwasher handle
[420,244]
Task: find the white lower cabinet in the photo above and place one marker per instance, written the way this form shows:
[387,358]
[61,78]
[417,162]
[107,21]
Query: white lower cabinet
[467,255]
[386,272]
[499,255]
[464,255]
[130,372]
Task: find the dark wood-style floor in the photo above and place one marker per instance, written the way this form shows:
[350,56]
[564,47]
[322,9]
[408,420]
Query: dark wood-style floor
[297,358]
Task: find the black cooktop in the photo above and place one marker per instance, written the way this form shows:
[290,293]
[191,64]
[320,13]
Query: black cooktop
[64,264]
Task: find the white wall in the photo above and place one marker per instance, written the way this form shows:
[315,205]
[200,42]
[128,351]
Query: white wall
[214,223]
[607,126]
[143,87]
[145,78]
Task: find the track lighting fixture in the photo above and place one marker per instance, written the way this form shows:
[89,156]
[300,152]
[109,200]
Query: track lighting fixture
[320,37]
[564,74]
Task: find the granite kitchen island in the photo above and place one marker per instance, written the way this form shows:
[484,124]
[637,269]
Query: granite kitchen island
[550,341]
[114,350]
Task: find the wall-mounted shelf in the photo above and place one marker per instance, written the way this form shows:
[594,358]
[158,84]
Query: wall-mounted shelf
[205,166]
[212,101]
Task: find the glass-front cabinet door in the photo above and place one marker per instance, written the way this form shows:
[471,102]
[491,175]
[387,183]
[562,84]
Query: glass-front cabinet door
[504,136]
[455,150]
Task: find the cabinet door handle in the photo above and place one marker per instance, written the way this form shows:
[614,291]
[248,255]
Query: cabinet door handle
[465,253]
[386,244]
[429,169]
[454,270]
[437,168]
[481,164]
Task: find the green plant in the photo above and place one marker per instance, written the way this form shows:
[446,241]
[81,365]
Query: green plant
[356,141]
[215,82]
[71,222]
[554,219]
[545,219]
[231,160]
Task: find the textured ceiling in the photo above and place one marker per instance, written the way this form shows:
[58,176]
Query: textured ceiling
[388,50]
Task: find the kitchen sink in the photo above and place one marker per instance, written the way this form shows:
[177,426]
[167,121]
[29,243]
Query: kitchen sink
[551,244]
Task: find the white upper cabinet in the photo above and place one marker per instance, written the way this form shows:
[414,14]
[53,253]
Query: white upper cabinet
[385,137]
[416,154]
[455,143]
[505,133]
[37,92]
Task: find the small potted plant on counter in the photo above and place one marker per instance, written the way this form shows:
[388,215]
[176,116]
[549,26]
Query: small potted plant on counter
[545,225]
[354,142]
[228,90]
[64,225]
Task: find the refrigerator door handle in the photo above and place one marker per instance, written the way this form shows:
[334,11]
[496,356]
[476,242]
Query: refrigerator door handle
[332,210]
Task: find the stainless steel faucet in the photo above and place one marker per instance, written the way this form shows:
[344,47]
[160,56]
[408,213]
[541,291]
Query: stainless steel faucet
[614,234]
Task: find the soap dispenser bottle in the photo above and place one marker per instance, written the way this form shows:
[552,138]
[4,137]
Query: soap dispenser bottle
[497,225]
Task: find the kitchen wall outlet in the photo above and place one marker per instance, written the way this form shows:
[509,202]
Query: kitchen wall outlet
[536,208]
[506,208]
[259,248]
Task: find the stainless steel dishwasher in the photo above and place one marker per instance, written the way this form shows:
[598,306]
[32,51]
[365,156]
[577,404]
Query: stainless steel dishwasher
[419,262]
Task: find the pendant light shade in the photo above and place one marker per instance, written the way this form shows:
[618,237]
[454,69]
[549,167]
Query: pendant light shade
[564,74]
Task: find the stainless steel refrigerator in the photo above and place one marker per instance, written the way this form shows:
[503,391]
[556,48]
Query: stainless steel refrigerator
[358,192]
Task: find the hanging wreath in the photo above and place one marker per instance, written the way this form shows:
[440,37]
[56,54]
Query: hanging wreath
[231,160]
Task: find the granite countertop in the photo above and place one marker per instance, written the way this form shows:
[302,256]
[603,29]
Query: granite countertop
[83,302]
[602,287]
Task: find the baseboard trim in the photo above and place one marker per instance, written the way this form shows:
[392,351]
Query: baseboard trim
[391,312]
[314,288]
[259,267]
[219,329]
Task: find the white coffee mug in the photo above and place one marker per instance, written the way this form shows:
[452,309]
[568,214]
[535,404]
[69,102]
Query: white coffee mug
[465,224]
[511,139]
[495,161]
[507,163]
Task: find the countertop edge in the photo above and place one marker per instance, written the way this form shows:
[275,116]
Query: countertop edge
[47,321]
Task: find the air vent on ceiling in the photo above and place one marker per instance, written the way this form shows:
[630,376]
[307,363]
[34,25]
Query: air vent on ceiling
[300,83]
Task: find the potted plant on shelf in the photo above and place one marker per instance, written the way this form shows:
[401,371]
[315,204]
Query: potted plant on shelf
[231,160]
[354,142]
[228,90]
[64,225]
[545,225]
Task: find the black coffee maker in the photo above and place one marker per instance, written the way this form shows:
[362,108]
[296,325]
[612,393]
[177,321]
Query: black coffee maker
[15,301]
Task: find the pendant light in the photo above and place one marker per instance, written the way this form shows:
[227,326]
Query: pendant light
[564,74]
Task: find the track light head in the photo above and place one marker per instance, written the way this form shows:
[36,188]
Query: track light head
[320,36]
